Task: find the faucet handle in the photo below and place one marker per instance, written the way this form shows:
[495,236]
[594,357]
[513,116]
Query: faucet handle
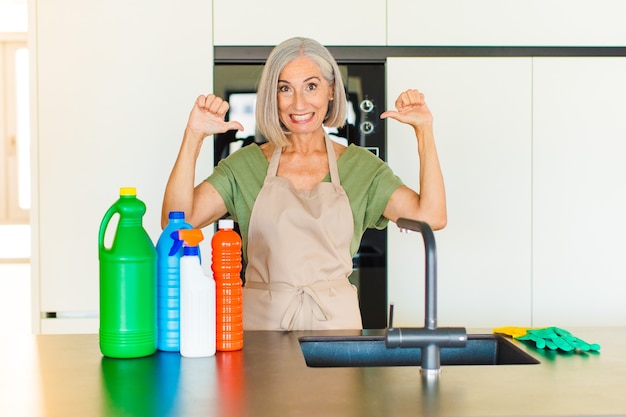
[390,315]
[412,337]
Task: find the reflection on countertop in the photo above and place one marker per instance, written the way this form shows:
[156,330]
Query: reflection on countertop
[65,375]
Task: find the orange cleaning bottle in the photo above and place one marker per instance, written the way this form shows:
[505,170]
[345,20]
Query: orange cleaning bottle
[226,267]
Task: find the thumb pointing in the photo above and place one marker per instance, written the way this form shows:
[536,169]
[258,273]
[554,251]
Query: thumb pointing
[234,125]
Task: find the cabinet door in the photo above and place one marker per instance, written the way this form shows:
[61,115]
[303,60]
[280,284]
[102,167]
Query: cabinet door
[331,22]
[112,103]
[506,23]
[482,113]
[579,182]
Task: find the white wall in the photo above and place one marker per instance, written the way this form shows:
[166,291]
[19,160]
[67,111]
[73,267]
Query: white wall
[13,16]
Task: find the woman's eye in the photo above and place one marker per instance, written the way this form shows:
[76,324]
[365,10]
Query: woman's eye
[283,89]
[312,87]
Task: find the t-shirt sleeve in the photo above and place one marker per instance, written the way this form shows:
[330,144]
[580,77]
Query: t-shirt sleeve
[223,178]
[384,185]
[238,179]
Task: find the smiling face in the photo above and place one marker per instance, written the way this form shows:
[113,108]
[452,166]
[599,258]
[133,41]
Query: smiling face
[303,96]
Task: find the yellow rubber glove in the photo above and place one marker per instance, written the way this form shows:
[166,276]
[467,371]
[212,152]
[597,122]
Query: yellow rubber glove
[512,331]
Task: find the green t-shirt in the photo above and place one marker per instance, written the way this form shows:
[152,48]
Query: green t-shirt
[367,180]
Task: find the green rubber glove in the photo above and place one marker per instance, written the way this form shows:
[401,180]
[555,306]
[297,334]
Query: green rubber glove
[555,338]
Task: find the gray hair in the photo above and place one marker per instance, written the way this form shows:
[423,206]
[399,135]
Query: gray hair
[267,120]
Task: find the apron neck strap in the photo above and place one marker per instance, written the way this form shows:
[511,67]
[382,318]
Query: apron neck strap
[332,161]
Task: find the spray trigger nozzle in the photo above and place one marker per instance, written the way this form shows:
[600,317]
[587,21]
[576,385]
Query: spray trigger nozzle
[177,243]
[186,237]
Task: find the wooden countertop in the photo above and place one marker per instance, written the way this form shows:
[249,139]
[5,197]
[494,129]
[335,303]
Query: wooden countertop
[65,375]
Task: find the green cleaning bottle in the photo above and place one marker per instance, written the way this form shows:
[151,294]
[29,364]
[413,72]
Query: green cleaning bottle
[128,270]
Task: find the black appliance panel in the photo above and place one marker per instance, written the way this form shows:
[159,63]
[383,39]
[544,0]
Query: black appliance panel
[365,90]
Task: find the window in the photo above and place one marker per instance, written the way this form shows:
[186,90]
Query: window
[14,135]
[15,132]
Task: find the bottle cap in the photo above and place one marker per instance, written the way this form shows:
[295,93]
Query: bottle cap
[128,191]
[177,215]
[226,224]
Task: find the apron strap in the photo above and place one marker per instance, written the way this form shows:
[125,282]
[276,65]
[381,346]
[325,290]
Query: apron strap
[272,169]
[332,162]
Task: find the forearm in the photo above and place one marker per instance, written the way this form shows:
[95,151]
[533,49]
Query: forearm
[430,204]
[179,191]
[432,195]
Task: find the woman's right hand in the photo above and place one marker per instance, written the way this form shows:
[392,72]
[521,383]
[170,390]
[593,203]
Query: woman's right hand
[200,206]
[207,117]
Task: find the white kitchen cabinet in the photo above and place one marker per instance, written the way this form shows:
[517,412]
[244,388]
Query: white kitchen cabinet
[114,84]
[482,112]
[506,23]
[331,22]
[579,191]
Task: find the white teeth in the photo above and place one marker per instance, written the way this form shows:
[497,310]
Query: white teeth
[300,117]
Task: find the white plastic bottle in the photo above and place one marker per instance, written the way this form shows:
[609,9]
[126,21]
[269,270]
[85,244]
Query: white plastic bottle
[197,300]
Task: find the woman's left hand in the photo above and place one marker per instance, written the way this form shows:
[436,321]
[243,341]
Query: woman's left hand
[411,109]
[430,204]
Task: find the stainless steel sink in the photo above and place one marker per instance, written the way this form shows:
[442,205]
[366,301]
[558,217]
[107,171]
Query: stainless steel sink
[365,351]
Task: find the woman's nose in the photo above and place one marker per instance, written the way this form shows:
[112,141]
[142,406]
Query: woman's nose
[299,100]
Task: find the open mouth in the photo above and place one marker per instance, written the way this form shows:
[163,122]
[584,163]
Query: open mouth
[301,117]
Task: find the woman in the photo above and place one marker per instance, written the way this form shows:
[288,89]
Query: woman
[301,200]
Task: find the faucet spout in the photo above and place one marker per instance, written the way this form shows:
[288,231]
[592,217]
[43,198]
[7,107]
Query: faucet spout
[430,266]
[429,338]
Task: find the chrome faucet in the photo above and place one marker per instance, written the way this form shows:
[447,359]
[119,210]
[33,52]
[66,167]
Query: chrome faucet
[429,338]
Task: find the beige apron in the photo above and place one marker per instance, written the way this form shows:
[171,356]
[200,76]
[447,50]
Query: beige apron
[299,256]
